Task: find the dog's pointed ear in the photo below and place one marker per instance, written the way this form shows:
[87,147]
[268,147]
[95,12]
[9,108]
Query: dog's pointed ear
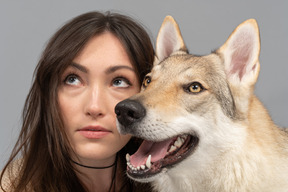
[169,39]
[241,53]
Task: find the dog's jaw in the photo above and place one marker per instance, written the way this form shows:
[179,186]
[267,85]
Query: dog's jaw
[180,143]
[152,157]
[200,126]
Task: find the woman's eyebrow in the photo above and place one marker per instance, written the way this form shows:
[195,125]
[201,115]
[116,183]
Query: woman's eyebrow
[79,67]
[118,67]
[109,70]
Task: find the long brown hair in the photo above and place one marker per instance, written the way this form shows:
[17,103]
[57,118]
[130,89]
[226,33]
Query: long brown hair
[42,143]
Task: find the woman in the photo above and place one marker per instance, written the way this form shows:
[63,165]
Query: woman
[69,140]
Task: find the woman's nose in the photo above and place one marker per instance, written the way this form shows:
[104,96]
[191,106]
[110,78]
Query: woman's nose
[96,102]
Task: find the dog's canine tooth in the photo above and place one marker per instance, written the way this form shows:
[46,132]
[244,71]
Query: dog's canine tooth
[127,157]
[172,148]
[148,162]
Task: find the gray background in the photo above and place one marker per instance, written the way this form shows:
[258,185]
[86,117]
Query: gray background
[26,26]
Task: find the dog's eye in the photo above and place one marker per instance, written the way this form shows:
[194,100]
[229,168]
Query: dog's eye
[194,87]
[146,81]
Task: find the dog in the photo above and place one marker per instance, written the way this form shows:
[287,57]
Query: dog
[203,128]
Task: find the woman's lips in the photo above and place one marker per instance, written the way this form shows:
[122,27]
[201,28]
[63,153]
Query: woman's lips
[94,132]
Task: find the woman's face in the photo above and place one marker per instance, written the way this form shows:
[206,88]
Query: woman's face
[97,79]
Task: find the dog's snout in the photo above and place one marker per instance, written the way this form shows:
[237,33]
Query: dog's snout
[129,112]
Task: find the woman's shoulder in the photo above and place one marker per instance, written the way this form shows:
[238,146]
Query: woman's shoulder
[10,174]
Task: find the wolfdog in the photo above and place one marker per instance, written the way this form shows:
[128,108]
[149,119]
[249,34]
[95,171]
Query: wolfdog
[202,125]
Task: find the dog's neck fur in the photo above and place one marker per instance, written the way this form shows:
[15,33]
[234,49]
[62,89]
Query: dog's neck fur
[246,173]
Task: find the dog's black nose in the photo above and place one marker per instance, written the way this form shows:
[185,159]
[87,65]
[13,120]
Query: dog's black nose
[129,112]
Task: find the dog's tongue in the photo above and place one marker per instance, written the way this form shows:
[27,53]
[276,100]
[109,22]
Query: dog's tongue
[157,150]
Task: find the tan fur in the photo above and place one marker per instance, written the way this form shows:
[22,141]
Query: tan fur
[240,148]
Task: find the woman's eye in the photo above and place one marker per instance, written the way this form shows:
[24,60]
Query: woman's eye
[121,82]
[72,80]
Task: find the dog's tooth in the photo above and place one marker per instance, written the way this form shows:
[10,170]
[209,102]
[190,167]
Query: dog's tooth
[142,167]
[127,157]
[138,168]
[148,162]
[178,142]
[172,148]
[130,166]
[184,137]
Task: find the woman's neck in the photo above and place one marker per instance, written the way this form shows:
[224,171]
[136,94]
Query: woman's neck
[96,179]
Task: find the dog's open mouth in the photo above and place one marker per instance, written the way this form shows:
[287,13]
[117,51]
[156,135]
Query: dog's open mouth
[151,157]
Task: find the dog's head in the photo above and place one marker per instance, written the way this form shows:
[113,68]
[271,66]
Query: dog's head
[186,99]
